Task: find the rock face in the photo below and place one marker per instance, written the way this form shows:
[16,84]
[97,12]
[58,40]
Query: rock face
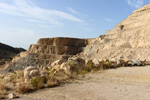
[129,39]
[46,51]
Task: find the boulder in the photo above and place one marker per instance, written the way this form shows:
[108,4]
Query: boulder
[11,96]
[34,73]
[134,63]
[130,63]
[137,63]
[66,68]
[96,62]
[30,72]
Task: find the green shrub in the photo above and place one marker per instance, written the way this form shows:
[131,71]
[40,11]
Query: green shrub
[89,66]
[71,64]
[37,82]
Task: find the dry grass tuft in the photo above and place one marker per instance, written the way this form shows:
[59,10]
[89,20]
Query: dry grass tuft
[3,86]
[37,82]
[24,88]
[51,83]
[3,90]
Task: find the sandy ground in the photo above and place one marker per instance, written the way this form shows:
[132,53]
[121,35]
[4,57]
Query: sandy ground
[126,83]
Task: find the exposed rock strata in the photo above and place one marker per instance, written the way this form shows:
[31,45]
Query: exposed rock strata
[46,51]
[130,39]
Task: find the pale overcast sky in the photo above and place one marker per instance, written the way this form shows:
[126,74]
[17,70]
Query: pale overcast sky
[23,22]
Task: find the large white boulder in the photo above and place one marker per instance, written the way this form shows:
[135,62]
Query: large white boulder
[30,72]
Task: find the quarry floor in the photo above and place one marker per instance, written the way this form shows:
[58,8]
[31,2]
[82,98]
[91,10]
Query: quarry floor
[125,83]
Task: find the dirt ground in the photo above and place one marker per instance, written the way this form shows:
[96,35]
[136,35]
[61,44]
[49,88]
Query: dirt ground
[126,83]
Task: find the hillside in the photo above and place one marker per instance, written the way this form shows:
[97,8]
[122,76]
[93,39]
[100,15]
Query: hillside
[8,52]
[129,39]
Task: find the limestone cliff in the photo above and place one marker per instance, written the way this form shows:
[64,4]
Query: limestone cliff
[130,39]
[47,50]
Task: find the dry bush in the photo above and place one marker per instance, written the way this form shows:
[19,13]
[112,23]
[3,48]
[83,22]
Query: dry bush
[20,76]
[37,82]
[3,94]
[3,86]
[3,90]
[24,88]
[73,75]
[14,78]
[17,77]
[51,83]
[61,76]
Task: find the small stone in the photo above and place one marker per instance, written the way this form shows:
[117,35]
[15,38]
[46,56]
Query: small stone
[96,62]
[11,96]
[115,87]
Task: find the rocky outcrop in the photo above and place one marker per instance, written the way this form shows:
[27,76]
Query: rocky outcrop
[129,39]
[46,51]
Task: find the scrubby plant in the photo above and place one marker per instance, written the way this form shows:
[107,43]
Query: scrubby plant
[51,73]
[20,76]
[3,86]
[89,66]
[61,76]
[37,82]
[3,95]
[41,67]
[51,83]
[24,88]
[73,75]
[71,63]
[14,78]
[106,64]
[3,90]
